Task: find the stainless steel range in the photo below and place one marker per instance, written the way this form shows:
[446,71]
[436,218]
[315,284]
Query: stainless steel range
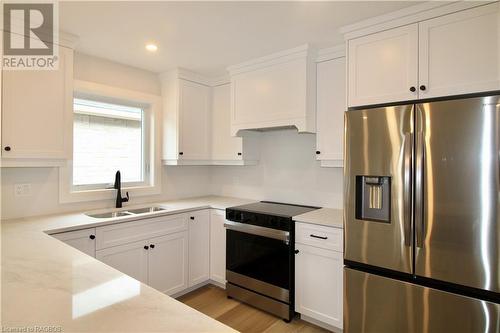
[260,257]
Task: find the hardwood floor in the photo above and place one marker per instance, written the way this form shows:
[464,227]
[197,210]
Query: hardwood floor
[213,302]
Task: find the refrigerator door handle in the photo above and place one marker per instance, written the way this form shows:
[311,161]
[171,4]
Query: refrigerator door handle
[419,188]
[407,182]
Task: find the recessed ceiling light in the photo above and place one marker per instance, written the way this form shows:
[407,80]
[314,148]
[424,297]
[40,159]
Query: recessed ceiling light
[151,47]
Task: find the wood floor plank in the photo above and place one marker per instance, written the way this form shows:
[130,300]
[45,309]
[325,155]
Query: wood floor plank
[212,301]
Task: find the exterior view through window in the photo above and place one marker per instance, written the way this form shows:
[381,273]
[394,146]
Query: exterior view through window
[106,138]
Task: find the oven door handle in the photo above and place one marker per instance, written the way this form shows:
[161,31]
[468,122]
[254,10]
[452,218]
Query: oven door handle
[258,230]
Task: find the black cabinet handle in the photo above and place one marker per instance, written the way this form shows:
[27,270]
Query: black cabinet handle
[192,217]
[146,247]
[413,89]
[181,153]
[318,152]
[7,148]
[92,236]
[296,251]
[320,237]
[422,87]
[152,246]
[239,154]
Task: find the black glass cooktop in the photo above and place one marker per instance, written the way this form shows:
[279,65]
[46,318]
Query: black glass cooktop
[274,209]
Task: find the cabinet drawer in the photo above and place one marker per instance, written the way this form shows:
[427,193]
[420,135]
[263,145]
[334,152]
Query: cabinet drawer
[319,236]
[122,233]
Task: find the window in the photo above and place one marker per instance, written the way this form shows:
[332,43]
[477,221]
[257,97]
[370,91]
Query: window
[108,137]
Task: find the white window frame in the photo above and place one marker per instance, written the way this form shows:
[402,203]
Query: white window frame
[151,105]
[145,141]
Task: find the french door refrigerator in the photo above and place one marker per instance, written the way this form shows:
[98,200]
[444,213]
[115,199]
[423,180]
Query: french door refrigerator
[422,213]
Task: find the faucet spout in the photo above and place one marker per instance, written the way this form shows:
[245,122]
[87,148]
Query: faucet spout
[118,187]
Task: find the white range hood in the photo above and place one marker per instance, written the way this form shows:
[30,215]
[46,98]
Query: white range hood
[276,91]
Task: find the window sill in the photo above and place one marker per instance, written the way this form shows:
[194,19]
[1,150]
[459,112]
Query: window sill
[106,194]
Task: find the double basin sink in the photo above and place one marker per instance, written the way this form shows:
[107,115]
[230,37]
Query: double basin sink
[137,211]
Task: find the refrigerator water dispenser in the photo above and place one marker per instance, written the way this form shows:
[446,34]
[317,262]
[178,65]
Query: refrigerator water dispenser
[373,198]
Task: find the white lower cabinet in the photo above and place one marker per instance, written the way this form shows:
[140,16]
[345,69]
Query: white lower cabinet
[199,247]
[218,246]
[319,283]
[131,259]
[83,240]
[168,263]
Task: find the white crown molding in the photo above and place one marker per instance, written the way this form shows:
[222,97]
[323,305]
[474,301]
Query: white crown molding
[221,80]
[406,16]
[334,52]
[302,51]
[181,73]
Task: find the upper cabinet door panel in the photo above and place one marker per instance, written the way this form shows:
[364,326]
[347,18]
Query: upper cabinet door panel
[383,66]
[224,146]
[330,110]
[459,53]
[37,111]
[194,120]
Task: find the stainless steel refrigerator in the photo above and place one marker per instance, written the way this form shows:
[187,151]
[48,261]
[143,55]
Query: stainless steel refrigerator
[422,213]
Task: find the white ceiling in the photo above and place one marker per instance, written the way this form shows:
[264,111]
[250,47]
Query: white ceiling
[206,37]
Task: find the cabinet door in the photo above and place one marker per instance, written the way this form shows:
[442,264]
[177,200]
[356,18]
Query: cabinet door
[37,111]
[218,246]
[319,284]
[194,108]
[224,146]
[331,105]
[131,259]
[168,263]
[83,240]
[459,53]
[199,247]
[383,66]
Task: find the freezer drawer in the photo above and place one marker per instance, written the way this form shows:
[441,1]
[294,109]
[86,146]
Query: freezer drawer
[377,304]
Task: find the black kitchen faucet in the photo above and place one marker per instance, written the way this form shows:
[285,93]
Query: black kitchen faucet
[118,187]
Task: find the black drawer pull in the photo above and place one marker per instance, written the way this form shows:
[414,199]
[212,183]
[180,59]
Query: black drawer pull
[320,237]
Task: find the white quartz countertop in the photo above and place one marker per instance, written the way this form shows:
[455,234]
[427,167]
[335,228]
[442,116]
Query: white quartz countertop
[48,283]
[324,216]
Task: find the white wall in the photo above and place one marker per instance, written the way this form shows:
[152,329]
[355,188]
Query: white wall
[44,198]
[89,68]
[177,183]
[287,172]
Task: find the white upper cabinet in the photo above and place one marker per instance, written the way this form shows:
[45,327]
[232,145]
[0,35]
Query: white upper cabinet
[37,113]
[186,119]
[228,149]
[382,67]
[330,112]
[278,90]
[459,53]
[194,107]
[224,146]
[439,54]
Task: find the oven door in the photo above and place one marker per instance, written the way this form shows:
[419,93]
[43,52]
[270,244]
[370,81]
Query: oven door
[259,259]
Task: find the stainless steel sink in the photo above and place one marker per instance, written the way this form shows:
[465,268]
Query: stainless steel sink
[109,214]
[146,210]
[129,212]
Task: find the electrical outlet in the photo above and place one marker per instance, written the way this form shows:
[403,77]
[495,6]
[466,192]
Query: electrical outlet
[22,190]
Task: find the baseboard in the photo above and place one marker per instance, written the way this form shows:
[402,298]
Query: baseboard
[199,285]
[321,324]
[190,289]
